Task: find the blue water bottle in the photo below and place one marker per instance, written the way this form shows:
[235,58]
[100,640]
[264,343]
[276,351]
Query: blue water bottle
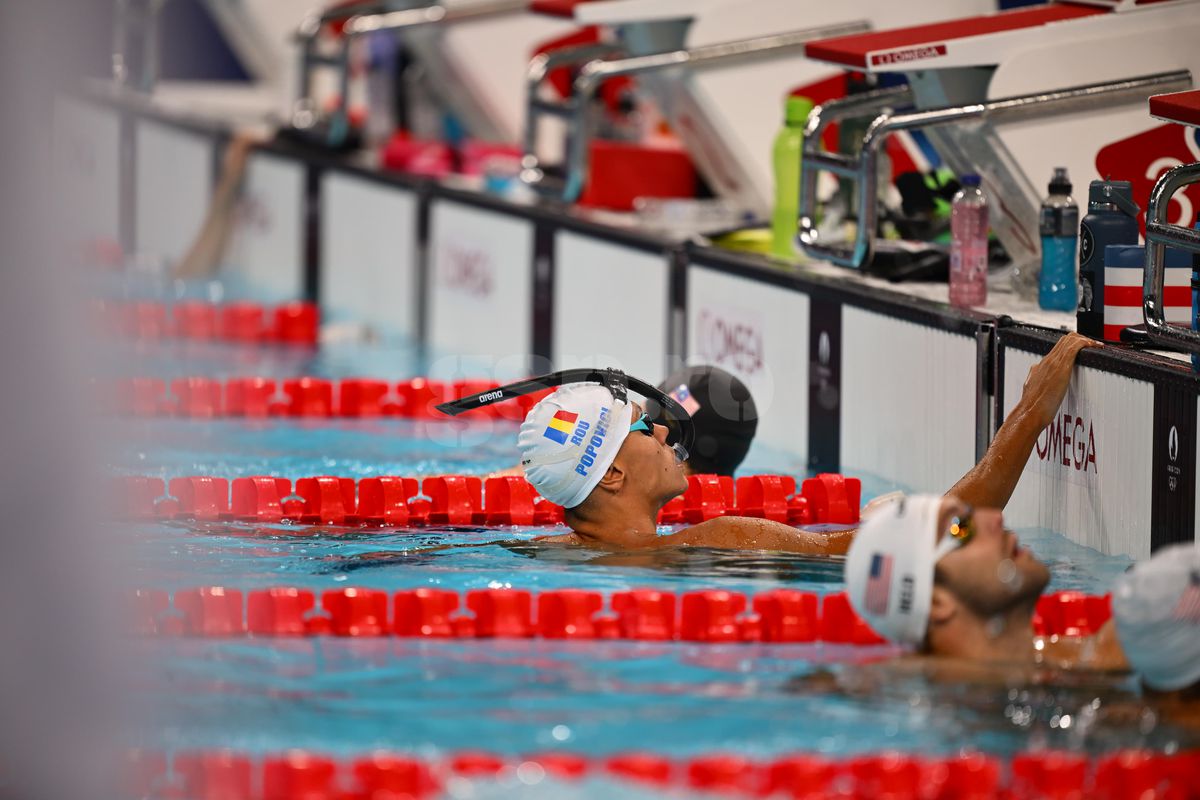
[1057,287]
[1111,219]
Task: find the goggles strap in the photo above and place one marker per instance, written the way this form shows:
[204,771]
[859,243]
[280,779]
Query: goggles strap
[945,547]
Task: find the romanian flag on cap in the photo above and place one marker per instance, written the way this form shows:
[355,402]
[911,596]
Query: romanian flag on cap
[561,426]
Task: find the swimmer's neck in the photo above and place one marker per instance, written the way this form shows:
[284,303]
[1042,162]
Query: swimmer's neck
[615,526]
[1004,639]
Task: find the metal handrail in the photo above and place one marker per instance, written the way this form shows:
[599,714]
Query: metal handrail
[370,17]
[536,106]
[145,17]
[862,169]
[1160,234]
[596,72]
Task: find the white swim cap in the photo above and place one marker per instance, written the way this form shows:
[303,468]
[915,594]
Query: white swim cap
[889,568]
[1156,606]
[569,440]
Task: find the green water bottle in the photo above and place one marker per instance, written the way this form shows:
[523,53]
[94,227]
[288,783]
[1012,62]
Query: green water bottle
[788,146]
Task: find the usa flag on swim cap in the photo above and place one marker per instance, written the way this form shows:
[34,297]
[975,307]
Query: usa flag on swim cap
[879,584]
[1188,607]
[683,395]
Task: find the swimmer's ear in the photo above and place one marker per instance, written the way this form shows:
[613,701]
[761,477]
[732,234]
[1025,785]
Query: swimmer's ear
[942,606]
[614,479]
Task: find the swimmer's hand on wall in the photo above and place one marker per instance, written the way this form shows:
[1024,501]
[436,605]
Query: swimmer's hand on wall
[207,251]
[990,483]
[1047,382]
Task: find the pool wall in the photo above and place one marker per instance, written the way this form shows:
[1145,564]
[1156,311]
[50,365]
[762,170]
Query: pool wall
[848,376]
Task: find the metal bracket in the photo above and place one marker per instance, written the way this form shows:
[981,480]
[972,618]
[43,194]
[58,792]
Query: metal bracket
[862,169]
[579,109]
[136,20]
[1160,234]
[361,19]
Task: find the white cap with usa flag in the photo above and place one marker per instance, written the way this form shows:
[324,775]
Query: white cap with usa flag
[889,567]
[569,440]
[1156,606]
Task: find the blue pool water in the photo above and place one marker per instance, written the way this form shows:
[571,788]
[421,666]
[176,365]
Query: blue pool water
[348,696]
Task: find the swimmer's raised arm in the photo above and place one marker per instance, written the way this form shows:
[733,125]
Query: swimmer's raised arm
[991,482]
[204,256]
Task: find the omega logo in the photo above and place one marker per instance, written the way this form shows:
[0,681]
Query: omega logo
[725,340]
[1173,443]
[1069,441]
[466,269]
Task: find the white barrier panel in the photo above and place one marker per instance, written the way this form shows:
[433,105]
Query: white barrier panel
[369,253]
[610,306]
[174,169]
[480,291]
[1090,474]
[87,146]
[908,401]
[758,332]
[268,243]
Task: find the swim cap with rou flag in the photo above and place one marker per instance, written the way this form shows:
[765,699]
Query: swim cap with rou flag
[569,440]
[889,568]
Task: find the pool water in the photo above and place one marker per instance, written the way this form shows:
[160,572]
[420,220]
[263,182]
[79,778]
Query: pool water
[346,696]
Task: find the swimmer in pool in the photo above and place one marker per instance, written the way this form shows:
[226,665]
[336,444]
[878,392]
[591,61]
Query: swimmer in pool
[723,414]
[943,575]
[610,466]
[722,411]
[206,253]
[1156,609]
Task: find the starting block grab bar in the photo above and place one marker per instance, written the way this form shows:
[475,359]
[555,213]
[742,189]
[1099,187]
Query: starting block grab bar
[359,20]
[1159,235]
[599,69]
[862,169]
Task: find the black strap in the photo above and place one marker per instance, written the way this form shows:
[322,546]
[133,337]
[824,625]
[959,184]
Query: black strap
[462,405]
[614,380]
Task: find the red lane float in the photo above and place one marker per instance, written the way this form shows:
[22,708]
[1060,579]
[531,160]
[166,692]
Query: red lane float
[466,500]
[295,323]
[310,397]
[779,616]
[230,775]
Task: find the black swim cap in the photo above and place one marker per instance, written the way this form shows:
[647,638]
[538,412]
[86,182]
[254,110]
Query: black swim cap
[723,412]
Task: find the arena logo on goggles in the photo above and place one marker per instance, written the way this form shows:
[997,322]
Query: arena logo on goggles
[1070,442]
[592,451]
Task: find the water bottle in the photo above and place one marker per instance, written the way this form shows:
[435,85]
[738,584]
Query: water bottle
[789,144]
[1111,219]
[1058,289]
[968,245]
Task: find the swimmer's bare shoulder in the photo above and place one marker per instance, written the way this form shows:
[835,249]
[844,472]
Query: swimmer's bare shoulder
[748,533]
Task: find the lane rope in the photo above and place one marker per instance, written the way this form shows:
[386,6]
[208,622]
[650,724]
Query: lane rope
[231,775]
[396,501]
[779,616]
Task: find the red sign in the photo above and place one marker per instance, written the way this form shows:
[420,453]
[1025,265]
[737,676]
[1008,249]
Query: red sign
[1144,157]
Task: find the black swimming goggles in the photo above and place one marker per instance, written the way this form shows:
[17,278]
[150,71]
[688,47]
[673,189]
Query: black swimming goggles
[681,432]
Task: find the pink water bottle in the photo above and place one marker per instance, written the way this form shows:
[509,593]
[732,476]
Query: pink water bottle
[968,245]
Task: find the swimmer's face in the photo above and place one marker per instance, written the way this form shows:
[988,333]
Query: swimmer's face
[991,573]
[650,462]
